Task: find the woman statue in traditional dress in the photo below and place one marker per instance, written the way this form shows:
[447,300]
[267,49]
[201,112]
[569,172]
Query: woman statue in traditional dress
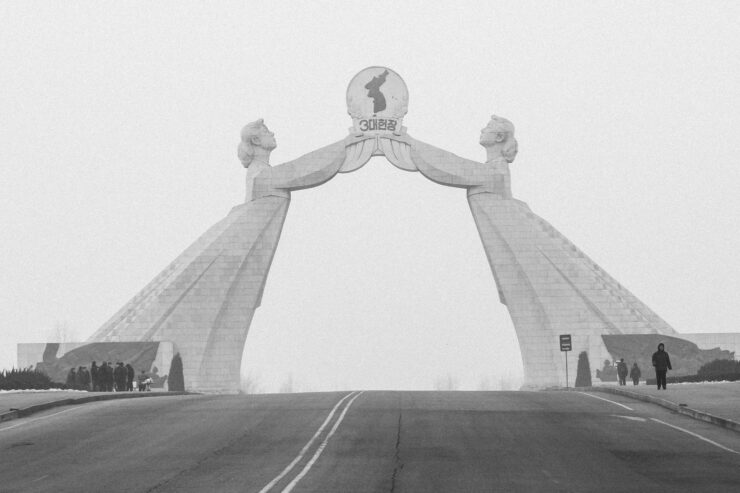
[204,301]
[509,232]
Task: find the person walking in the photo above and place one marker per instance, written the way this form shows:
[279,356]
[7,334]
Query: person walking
[105,377]
[130,377]
[622,372]
[662,363]
[84,378]
[635,374]
[119,375]
[95,376]
[109,378]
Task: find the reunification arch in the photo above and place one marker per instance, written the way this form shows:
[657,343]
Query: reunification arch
[205,299]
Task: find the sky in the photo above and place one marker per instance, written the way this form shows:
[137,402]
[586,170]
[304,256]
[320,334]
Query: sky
[119,123]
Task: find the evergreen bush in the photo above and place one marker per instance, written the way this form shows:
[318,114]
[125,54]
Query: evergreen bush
[718,370]
[27,379]
[719,367]
[176,379]
[583,372]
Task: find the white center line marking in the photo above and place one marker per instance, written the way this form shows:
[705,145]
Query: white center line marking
[321,447]
[303,451]
[695,435]
[25,422]
[607,400]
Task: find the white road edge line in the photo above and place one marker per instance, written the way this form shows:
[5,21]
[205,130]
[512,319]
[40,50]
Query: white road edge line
[696,435]
[632,418]
[37,419]
[321,448]
[607,400]
[305,448]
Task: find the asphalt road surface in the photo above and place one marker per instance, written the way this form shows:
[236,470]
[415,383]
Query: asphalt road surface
[368,442]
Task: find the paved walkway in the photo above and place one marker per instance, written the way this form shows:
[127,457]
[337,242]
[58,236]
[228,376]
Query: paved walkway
[720,399]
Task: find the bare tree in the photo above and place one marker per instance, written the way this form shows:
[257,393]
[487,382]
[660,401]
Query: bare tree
[485,383]
[448,382]
[250,384]
[287,386]
[504,383]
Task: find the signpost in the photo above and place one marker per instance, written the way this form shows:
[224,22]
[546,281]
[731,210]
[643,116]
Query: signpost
[566,345]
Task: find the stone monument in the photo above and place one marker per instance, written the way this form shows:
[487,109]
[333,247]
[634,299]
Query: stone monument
[205,300]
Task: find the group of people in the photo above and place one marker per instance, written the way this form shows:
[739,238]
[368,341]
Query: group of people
[108,378]
[622,373]
[661,362]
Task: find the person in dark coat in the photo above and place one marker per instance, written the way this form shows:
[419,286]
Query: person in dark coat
[130,376]
[103,377]
[635,374]
[662,363]
[622,372]
[119,375]
[83,376]
[109,379]
[94,375]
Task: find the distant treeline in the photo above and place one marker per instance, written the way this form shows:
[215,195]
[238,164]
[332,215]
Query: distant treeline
[27,379]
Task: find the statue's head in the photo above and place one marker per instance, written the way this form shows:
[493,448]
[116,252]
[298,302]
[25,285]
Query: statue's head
[255,136]
[500,132]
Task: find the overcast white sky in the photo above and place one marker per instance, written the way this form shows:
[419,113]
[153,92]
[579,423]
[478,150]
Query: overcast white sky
[119,123]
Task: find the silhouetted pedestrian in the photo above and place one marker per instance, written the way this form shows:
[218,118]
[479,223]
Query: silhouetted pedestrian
[94,376]
[105,377]
[662,363]
[119,375]
[622,372]
[109,380]
[78,378]
[130,377]
[635,374]
[83,378]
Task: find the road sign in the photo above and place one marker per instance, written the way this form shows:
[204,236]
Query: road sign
[565,344]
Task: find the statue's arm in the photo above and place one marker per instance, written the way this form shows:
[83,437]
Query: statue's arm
[446,168]
[307,171]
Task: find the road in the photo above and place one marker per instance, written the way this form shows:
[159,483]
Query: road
[368,442]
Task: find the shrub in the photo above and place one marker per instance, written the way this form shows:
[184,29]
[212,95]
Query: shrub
[719,367]
[728,377]
[27,379]
[583,372]
[176,379]
[718,370]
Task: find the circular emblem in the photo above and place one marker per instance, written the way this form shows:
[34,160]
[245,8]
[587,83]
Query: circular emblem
[377,100]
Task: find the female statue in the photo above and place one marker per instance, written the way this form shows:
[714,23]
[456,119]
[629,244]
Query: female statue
[205,299]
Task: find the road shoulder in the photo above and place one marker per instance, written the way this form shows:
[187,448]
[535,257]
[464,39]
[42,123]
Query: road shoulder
[84,398]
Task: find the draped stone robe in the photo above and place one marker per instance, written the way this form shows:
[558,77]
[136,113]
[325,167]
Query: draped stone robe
[548,285]
[205,299]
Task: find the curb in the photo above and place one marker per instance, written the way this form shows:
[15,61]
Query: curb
[27,411]
[678,408]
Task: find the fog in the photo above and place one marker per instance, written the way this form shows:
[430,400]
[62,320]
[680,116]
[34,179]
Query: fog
[119,125]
